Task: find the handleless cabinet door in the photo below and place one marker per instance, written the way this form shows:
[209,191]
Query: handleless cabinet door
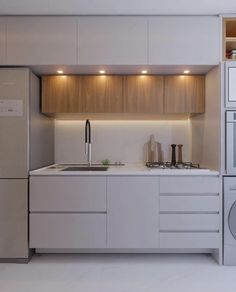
[67,230]
[14,218]
[2,41]
[68,194]
[180,40]
[112,40]
[102,94]
[230,70]
[144,94]
[184,94]
[61,94]
[41,40]
[14,131]
[132,212]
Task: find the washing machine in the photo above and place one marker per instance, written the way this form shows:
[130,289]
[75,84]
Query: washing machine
[229,240]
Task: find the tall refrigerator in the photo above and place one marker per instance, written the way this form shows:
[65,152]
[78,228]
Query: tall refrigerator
[26,143]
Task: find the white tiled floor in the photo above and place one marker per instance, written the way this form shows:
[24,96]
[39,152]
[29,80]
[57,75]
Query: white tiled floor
[118,273]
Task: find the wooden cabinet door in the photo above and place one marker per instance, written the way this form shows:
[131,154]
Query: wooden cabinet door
[61,94]
[184,40]
[184,94]
[144,94]
[41,40]
[132,212]
[102,94]
[112,40]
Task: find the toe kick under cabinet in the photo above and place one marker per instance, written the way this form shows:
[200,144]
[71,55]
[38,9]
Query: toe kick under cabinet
[125,212]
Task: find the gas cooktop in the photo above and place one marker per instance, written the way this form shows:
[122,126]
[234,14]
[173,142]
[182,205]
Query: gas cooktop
[169,165]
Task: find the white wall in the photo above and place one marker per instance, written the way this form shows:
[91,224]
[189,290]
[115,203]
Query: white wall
[119,140]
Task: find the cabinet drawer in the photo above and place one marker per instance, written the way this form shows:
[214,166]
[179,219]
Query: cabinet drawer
[68,194]
[189,185]
[189,203]
[190,240]
[68,230]
[189,222]
[230,185]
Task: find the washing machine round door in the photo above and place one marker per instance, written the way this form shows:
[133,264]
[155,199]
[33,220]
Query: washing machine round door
[232,220]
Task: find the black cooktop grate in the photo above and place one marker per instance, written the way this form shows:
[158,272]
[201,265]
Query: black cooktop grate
[169,165]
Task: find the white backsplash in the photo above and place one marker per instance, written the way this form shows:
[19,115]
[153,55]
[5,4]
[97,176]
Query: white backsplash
[119,140]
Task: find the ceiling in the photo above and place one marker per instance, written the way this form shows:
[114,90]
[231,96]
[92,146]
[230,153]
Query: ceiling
[117,7]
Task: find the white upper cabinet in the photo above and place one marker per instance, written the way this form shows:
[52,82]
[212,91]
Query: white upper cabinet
[180,40]
[112,40]
[41,40]
[2,41]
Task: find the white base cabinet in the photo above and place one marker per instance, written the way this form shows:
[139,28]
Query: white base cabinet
[125,212]
[68,230]
[132,212]
[190,213]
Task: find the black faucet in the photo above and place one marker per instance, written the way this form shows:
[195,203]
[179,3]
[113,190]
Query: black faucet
[88,142]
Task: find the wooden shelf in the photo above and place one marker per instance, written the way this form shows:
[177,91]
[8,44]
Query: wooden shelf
[229,37]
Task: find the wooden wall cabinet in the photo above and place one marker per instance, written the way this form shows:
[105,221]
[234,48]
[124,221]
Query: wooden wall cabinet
[184,94]
[61,94]
[123,94]
[102,94]
[82,94]
[144,94]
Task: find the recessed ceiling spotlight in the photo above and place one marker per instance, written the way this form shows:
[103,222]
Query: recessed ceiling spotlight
[102,71]
[144,71]
[60,72]
[186,71]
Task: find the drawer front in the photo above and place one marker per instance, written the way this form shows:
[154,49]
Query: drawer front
[68,230]
[68,194]
[189,222]
[189,185]
[190,240]
[189,203]
[230,185]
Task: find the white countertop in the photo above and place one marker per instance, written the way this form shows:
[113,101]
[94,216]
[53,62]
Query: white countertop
[129,169]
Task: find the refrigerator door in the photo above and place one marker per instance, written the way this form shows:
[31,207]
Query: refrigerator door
[13,218]
[14,123]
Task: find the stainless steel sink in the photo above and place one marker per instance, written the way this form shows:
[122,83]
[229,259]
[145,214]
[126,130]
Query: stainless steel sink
[86,168]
